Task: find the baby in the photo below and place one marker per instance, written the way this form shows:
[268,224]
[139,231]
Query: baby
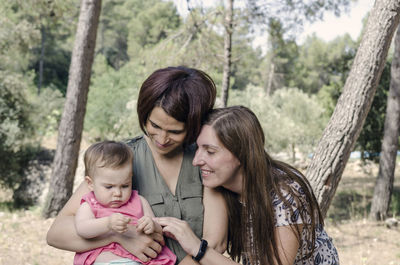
[112,205]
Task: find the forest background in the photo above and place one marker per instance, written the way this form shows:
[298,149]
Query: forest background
[292,87]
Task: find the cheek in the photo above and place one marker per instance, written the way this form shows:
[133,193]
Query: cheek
[179,138]
[148,128]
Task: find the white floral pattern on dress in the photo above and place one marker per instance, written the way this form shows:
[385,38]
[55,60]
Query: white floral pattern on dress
[325,252]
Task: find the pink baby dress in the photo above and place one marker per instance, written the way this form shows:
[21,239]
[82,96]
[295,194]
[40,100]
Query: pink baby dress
[133,209]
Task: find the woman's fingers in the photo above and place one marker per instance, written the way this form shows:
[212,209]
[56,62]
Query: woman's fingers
[150,252]
[180,231]
[156,247]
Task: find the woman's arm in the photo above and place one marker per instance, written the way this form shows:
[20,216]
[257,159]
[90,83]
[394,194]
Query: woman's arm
[288,243]
[215,224]
[62,233]
[181,231]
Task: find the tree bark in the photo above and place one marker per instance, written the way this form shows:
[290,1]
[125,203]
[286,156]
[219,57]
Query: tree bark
[343,129]
[227,52]
[41,60]
[387,161]
[71,125]
[270,78]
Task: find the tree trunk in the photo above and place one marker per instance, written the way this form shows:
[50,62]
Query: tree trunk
[227,52]
[293,153]
[270,78]
[343,129]
[41,60]
[387,161]
[71,125]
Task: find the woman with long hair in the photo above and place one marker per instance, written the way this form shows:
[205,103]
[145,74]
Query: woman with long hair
[274,217]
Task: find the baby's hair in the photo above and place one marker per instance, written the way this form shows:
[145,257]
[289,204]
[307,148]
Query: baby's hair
[108,154]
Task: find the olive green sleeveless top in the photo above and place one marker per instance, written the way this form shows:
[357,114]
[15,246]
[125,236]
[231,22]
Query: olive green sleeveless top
[186,204]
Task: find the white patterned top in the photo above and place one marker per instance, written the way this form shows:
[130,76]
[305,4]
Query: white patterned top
[325,252]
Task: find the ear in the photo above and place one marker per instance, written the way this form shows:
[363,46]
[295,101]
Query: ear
[89,181]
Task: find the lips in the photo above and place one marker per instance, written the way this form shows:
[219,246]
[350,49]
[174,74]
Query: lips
[205,172]
[115,203]
[161,145]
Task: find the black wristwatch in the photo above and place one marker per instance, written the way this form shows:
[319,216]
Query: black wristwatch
[202,250]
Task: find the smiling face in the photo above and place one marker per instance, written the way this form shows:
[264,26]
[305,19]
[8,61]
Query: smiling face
[166,134]
[219,167]
[112,187]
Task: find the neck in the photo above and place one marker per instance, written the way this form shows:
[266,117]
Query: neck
[236,184]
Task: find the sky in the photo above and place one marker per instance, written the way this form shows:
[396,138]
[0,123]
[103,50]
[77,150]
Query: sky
[332,26]
[328,29]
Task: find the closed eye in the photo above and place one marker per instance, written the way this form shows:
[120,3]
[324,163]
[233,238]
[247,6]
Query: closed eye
[176,132]
[154,125]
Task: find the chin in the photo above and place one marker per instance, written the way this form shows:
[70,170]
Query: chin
[209,185]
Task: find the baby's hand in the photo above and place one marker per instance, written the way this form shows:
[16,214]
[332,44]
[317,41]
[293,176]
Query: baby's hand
[146,225]
[118,222]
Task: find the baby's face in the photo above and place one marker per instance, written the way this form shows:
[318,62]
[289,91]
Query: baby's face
[112,186]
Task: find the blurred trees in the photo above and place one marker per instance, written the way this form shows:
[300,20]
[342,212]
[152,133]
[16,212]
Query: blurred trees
[292,120]
[24,118]
[293,87]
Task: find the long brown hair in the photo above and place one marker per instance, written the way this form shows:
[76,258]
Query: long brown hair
[251,220]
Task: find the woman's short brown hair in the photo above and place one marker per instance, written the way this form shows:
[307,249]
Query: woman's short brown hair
[186,94]
[108,154]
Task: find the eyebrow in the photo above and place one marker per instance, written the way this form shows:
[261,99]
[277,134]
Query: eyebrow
[211,146]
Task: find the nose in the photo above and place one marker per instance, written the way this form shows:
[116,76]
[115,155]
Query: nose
[197,160]
[163,137]
[117,192]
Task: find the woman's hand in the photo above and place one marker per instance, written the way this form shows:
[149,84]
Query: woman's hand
[181,232]
[139,244]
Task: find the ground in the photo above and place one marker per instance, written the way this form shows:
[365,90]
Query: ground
[359,241]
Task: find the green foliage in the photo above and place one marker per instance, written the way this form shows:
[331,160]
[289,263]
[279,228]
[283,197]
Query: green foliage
[47,22]
[24,115]
[15,129]
[323,64]
[17,37]
[139,24]
[46,111]
[153,24]
[395,202]
[281,57]
[137,37]
[111,108]
[290,118]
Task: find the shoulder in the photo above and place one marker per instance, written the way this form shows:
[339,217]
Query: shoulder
[289,204]
[132,143]
[90,199]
